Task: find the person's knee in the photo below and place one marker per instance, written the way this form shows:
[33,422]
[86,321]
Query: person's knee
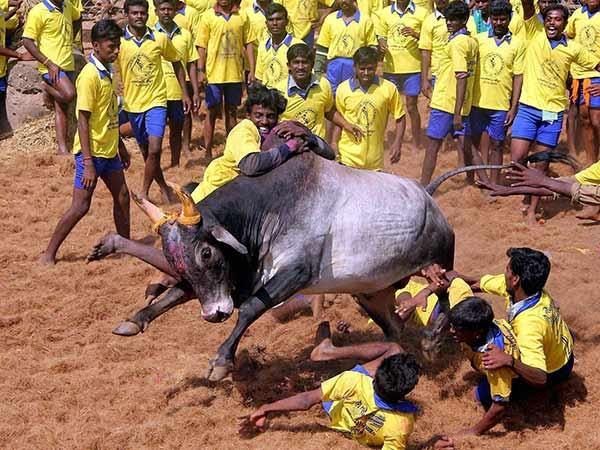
[81,207]
[411,105]
[67,90]
[123,197]
[595,119]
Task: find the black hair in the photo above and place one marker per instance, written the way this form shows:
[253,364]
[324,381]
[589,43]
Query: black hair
[556,7]
[472,314]
[531,266]
[170,2]
[276,8]
[457,10]
[396,377]
[300,50]
[365,55]
[106,30]
[501,8]
[259,94]
[130,3]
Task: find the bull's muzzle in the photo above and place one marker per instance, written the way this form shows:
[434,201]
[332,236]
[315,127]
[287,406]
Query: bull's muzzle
[216,317]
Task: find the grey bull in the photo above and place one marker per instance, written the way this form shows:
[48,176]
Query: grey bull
[311,226]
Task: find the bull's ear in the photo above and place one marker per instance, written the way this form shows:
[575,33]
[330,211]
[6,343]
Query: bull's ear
[224,236]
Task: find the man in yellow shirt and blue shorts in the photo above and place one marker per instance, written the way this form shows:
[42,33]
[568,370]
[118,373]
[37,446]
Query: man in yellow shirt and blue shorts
[367,403]
[98,150]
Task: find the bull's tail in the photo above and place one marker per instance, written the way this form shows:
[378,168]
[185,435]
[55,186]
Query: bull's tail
[548,157]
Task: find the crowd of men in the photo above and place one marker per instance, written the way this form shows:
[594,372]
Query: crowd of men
[489,69]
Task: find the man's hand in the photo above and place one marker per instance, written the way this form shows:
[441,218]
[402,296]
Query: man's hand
[494,358]
[251,78]
[53,72]
[396,153]
[89,174]
[196,103]
[408,31]
[510,117]
[457,123]
[289,130]
[594,89]
[125,158]
[383,46]
[187,104]
[426,88]
[201,78]
[444,443]
[297,145]
[434,273]
[496,190]
[254,422]
[525,176]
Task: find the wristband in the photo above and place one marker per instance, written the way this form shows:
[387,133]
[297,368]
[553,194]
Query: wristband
[45,62]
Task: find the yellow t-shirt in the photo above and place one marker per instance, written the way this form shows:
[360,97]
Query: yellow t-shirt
[516,27]
[343,39]
[497,65]
[3,11]
[424,4]
[460,55]
[258,27]
[434,37]
[543,337]
[457,292]
[370,111]
[242,140]
[96,94]
[370,7]
[307,108]
[589,175]
[500,380]
[518,8]
[546,68]
[271,63]
[403,55]
[224,41]
[585,30]
[140,65]
[184,44]
[188,18]
[358,413]
[302,13]
[52,31]
[200,5]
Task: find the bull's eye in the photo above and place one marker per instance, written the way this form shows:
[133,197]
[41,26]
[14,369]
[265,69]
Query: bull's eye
[206,253]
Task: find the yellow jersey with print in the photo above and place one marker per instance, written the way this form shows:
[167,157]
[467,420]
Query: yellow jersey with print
[403,54]
[271,60]
[342,38]
[543,337]
[258,26]
[96,94]
[457,292]
[434,37]
[184,44]
[188,18]
[459,56]
[500,60]
[517,6]
[370,7]
[224,38]
[303,13]
[584,27]
[500,380]
[476,25]
[589,175]
[3,59]
[427,5]
[547,65]
[307,106]
[242,140]
[370,110]
[51,28]
[140,66]
[356,410]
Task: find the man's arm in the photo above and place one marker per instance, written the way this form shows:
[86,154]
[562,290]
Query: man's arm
[495,358]
[528,9]
[10,53]
[425,66]
[334,116]
[251,62]
[461,90]
[34,51]
[470,280]
[193,73]
[397,144]
[490,419]
[201,67]
[517,84]
[83,128]
[180,74]
[259,163]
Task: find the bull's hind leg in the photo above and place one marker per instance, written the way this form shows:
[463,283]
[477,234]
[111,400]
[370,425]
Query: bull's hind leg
[141,319]
[380,307]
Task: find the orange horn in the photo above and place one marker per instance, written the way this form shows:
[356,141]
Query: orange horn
[189,213]
[156,215]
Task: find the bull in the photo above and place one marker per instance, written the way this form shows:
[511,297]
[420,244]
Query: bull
[311,225]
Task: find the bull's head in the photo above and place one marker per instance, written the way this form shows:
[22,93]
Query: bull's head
[197,253]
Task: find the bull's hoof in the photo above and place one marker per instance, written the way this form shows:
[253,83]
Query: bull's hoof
[217,372]
[127,328]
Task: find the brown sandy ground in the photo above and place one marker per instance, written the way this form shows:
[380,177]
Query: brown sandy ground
[67,383]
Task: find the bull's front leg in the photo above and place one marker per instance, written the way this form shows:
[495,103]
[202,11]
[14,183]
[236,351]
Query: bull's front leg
[281,287]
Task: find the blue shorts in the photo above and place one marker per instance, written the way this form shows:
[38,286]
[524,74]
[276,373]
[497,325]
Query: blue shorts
[3,85]
[148,123]
[528,125]
[309,39]
[175,111]
[123,117]
[61,74]
[432,81]
[594,100]
[407,83]
[490,120]
[103,166]
[441,125]
[215,92]
[338,71]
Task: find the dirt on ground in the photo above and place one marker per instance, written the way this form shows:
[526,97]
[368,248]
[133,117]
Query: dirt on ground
[66,382]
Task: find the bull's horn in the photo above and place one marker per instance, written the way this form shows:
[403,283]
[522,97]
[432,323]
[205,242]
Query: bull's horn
[189,213]
[156,215]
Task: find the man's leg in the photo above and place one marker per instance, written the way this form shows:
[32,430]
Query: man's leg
[80,205]
[572,129]
[115,183]
[592,212]
[415,121]
[232,97]
[495,158]
[186,140]
[214,95]
[5,129]
[62,93]
[440,125]
[430,161]
[176,120]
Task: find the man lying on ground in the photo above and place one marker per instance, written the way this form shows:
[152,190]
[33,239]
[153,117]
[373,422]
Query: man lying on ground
[367,402]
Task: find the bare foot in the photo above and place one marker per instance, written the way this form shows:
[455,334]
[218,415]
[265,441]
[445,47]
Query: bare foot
[531,219]
[105,246]
[323,343]
[589,213]
[47,260]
